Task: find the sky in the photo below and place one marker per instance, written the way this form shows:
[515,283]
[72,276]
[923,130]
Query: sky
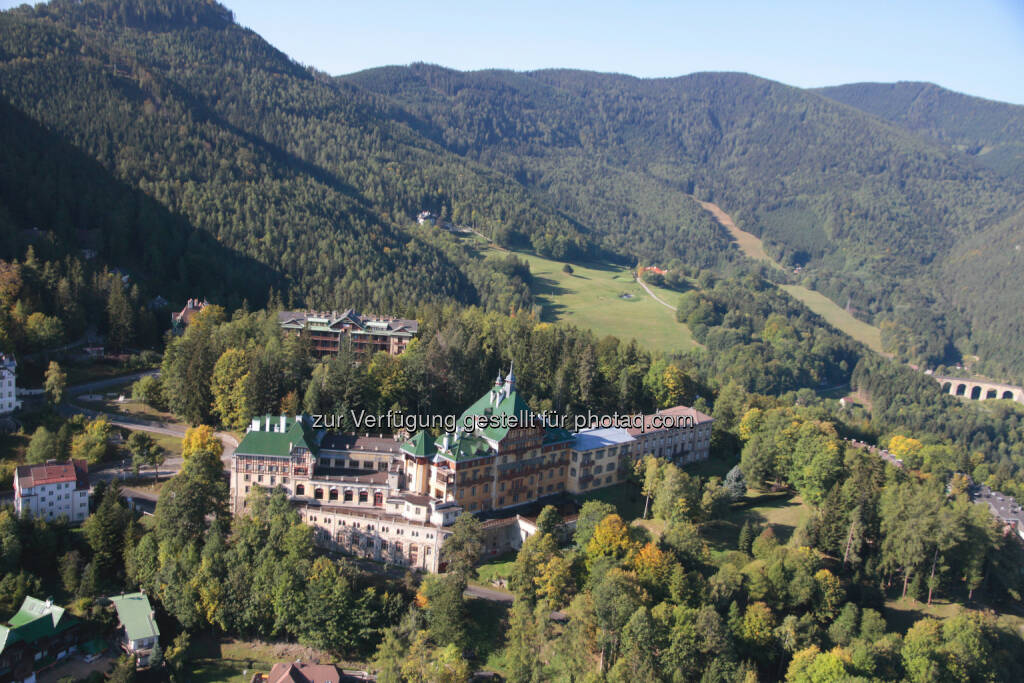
[971,46]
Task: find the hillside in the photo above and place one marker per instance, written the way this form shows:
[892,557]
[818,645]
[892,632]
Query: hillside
[866,209]
[305,186]
[316,182]
[990,132]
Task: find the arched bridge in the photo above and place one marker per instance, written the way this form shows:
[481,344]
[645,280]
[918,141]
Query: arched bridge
[978,390]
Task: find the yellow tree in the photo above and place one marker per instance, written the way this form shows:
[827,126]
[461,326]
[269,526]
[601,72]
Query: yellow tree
[653,565]
[906,448]
[555,581]
[610,539]
[227,385]
[201,439]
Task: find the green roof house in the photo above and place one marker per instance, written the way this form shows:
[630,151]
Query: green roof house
[136,620]
[39,634]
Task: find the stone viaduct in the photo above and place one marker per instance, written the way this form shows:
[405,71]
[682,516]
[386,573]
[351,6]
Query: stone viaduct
[978,390]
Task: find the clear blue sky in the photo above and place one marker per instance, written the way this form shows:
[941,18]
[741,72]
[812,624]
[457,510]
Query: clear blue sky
[975,46]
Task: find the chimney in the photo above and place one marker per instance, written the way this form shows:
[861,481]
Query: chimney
[267,423]
[284,419]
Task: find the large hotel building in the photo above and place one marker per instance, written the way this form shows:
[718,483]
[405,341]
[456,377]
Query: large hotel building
[392,500]
[367,333]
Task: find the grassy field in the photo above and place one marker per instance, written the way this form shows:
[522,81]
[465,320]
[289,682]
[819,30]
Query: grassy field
[900,614]
[783,511]
[235,661]
[607,300]
[752,246]
[749,244]
[499,567]
[867,334]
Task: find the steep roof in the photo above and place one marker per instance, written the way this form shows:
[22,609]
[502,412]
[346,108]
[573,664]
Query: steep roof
[136,615]
[34,620]
[420,445]
[468,447]
[277,443]
[503,401]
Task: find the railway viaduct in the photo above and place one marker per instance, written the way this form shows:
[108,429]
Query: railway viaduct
[978,390]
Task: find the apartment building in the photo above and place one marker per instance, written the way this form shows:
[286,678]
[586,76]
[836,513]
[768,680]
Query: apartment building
[53,490]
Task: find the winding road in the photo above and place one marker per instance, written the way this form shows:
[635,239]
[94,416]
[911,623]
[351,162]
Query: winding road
[655,296]
[112,471]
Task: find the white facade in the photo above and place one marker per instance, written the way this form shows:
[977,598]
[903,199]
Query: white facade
[680,434]
[600,457]
[8,368]
[52,491]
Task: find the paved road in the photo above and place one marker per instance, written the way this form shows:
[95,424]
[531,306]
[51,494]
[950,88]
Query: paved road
[119,470]
[88,387]
[488,594]
[655,296]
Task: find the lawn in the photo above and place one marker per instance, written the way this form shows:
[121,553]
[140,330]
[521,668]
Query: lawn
[129,406]
[783,511]
[865,333]
[170,444]
[235,661]
[901,613]
[712,467]
[607,300]
[499,567]
[749,243]
[752,246]
[96,371]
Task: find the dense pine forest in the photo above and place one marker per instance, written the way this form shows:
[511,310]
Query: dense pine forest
[215,148]
[155,150]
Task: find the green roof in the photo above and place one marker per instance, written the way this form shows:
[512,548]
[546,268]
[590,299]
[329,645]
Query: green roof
[296,434]
[136,615]
[422,444]
[468,447]
[511,404]
[36,619]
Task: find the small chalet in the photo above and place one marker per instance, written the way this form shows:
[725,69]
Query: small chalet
[40,634]
[138,629]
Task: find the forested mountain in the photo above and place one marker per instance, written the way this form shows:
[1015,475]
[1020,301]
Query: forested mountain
[216,148]
[313,181]
[991,132]
[868,209]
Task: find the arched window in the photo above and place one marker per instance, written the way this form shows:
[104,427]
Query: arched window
[363,496]
[332,494]
[348,495]
[318,494]
[378,498]
[300,490]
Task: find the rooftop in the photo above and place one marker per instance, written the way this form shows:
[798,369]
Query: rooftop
[286,672]
[136,615]
[266,436]
[337,441]
[34,620]
[680,413]
[599,438]
[332,321]
[53,472]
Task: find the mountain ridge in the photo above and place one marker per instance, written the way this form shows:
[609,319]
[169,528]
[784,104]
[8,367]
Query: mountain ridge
[318,177]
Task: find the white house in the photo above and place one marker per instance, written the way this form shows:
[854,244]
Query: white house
[139,632]
[8,402]
[53,490]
